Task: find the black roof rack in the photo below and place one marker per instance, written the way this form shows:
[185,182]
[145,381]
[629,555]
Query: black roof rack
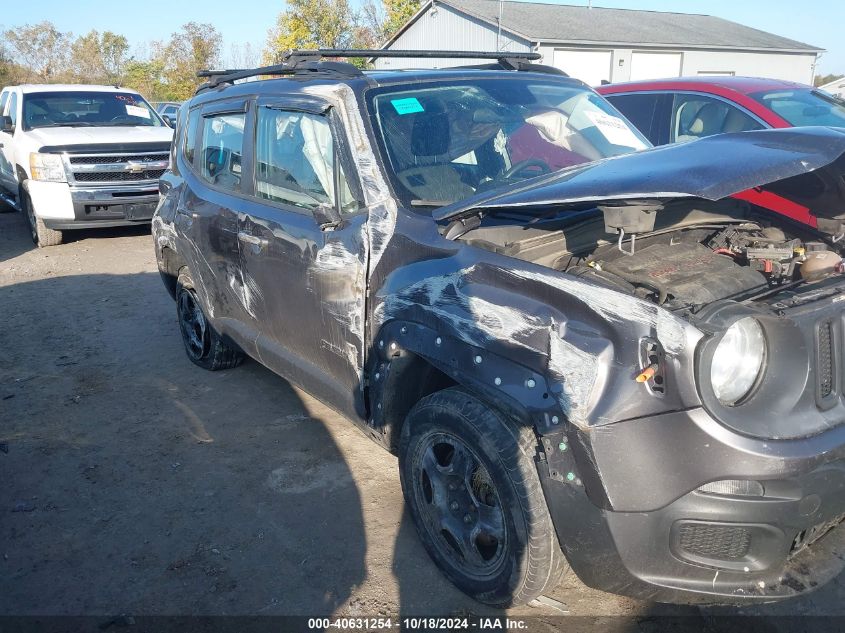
[308,61]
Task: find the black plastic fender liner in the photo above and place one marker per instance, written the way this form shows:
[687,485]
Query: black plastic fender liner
[518,392]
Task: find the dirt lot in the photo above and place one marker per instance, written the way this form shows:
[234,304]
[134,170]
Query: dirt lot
[137,483]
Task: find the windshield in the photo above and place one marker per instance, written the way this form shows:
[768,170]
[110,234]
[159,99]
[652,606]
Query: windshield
[804,107]
[86,109]
[447,141]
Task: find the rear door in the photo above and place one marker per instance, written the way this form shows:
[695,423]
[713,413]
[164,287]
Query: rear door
[218,150]
[305,278]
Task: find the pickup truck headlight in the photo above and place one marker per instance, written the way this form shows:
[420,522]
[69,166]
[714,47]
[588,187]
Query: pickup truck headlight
[48,167]
[738,361]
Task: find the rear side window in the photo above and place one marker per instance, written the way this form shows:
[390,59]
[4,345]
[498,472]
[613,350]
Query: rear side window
[4,96]
[191,135]
[697,116]
[221,150]
[295,161]
[639,109]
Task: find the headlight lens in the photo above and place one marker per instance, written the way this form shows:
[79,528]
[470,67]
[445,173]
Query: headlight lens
[738,361]
[47,167]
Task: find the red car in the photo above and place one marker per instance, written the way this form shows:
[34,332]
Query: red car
[686,108]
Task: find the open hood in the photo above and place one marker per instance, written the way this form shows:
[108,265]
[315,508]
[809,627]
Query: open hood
[796,171]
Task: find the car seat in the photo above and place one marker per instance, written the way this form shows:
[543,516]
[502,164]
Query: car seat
[433,177]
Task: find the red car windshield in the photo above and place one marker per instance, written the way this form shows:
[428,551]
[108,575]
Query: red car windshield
[804,107]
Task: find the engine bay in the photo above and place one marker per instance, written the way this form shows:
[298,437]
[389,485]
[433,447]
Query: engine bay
[681,257]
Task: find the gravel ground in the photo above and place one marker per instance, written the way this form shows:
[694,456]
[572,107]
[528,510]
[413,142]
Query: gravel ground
[137,483]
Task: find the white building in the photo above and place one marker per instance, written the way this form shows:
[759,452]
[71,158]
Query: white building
[835,87]
[598,45]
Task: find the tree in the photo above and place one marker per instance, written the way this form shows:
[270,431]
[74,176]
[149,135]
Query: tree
[40,48]
[397,13]
[311,24]
[193,48]
[114,49]
[821,80]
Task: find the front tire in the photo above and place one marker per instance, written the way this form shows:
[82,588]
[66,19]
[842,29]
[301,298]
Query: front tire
[203,344]
[471,484]
[41,235]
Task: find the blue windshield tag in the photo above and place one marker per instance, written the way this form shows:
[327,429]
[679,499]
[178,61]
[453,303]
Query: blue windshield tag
[407,106]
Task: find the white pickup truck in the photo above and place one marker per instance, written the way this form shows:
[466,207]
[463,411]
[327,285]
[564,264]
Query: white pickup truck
[74,156]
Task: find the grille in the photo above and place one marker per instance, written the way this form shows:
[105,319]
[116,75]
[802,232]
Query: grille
[102,176]
[715,541]
[825,360]
[138,158]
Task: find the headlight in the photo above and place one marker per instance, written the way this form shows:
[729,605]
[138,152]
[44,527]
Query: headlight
[47,167]
[738,361]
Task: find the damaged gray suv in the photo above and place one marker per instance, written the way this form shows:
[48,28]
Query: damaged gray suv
[586,353]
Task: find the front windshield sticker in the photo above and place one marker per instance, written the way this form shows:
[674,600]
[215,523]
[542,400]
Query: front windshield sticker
[614,129]
[132,110]
[407,106]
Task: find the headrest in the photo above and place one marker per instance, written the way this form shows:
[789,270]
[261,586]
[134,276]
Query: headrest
[430,135]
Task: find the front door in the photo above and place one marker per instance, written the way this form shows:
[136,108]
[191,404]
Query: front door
[305,277]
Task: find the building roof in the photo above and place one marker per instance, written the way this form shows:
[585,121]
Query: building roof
[542,22]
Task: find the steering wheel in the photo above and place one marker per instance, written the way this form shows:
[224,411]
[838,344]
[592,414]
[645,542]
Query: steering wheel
[120,117]
[526,164]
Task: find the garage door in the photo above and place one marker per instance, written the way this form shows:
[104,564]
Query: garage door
[655,65]
[591,67]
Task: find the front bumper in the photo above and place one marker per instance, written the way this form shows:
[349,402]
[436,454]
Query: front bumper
[72,207]
[695,546]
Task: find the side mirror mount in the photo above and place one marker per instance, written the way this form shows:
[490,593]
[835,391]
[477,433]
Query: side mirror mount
[327,216]
[6,125]
[170,122]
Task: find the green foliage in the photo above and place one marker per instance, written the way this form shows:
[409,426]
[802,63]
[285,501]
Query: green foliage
[96,58]
[193,48]
[397,13]
[821,80]
[311,24]
[40,48]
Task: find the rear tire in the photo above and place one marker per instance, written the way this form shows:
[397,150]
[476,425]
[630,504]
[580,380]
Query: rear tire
[203,344]
[41,235]
[472,488]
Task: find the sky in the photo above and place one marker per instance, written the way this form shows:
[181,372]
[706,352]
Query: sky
[817,22]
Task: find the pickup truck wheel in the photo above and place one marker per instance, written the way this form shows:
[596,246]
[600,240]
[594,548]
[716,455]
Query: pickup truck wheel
[472,488]
[41,235]
[203,345]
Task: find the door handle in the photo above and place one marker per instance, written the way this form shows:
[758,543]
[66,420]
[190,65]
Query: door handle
[249,238]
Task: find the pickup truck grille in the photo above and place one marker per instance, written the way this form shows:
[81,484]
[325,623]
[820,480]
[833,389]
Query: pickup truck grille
[141,158]
[105,168]
[153,174]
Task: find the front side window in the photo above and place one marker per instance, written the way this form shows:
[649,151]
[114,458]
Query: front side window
[221,150]
[447,141]
[87,109]
[804,107]
[696,116]
[296,161]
